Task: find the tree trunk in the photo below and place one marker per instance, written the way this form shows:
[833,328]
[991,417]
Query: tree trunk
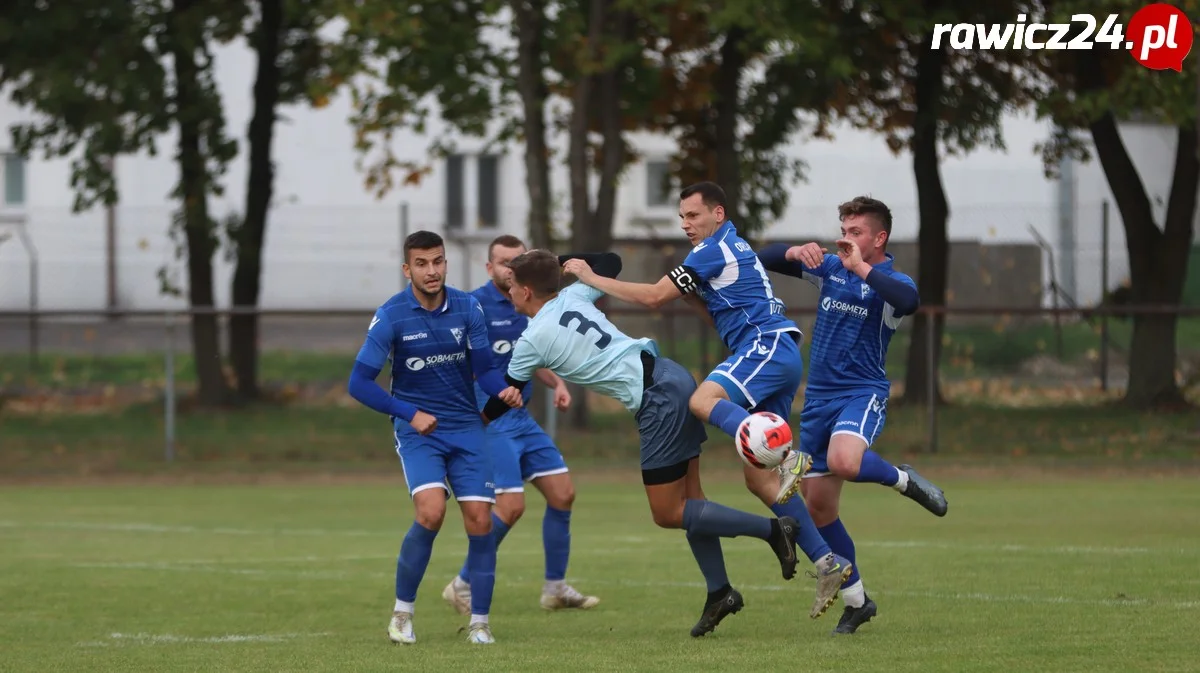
[932,243]
[193,193]
[1158,259]
[728,88]
[250,235]
[598,235]
[531,84]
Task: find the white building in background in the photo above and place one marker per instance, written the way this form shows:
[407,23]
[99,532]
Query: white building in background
[330,243]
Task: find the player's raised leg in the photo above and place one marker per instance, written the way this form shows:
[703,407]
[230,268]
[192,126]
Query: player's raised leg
[851,458]
[556,485]
[765,377]
[469,472]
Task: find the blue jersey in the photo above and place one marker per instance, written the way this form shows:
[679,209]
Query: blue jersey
[431,367]
[504,327]
[733,284]
[851,334]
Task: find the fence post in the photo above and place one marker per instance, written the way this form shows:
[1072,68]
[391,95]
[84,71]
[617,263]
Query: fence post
[1104,297]
[930,378]
[169,390]
[403,237]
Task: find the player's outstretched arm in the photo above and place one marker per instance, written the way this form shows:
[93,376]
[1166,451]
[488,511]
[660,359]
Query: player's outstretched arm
[791,260]
[495,407]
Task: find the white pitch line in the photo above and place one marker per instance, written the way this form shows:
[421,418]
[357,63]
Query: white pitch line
[136,527]
[938,595]
[166,638]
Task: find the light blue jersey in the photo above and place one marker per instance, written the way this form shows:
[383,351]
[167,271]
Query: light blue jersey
[574,339]
[734,286]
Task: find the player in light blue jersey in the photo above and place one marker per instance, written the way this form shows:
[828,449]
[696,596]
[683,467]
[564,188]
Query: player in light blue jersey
[438,346]
[570,336]
[521,451]
[862,302]
[723,276]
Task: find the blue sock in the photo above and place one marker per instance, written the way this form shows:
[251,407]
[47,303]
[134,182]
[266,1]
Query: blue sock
[875,470]
[810,540]
[556,540]
[707,550]
[481,559]
[705,517]
[839,540]
[414,558]
[499,529]
[727,416]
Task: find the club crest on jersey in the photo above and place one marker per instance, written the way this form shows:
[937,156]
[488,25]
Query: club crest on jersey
[866,290]
[457,333]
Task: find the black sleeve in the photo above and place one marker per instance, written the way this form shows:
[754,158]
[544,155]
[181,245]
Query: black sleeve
[607,264]
[774,258]
[496,407]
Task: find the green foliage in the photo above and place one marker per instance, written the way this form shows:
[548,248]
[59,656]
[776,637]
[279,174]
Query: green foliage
[1075,88]
[877,71]
[413,55]
[94,77]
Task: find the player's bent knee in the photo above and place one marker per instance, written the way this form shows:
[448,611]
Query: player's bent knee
[764,484]
[845,455]
[559,491]
[705,397]
[477,517]
[510,507]
[666,489]
[429,508]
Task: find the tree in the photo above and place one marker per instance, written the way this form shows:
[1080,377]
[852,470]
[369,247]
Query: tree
[96,79]
[927,98]
[729,122]
[1093,92]
[530,30]
[294,65]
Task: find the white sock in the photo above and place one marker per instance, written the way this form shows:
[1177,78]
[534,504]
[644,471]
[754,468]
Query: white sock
[459,583]
[479,619]
[902,482]
[552,587]
[401,606]
[855,595]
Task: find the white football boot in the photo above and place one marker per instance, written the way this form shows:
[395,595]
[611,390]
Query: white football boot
[400,629]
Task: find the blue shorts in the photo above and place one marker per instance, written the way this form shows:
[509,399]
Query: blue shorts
[669,433]
[859,415]
[522,452]
[456,461]
[765,376]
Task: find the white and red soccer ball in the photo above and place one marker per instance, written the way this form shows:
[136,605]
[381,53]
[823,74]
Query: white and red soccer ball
[763,440]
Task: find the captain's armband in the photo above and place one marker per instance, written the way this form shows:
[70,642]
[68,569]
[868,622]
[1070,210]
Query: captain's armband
[684,279]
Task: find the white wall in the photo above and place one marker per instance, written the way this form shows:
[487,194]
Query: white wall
[331,243]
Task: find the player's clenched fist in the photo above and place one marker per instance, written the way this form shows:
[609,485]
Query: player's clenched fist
[562,398]
[423,423]
[578,268]
[809,254]
[512,397]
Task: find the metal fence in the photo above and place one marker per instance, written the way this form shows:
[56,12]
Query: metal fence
[1018,356]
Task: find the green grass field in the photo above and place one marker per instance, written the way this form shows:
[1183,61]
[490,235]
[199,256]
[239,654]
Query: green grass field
[1025,574]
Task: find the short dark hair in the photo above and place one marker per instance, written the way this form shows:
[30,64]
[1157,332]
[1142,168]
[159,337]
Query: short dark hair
[504,241]
[865,205]
[422,240]
[537,270]
[710,192]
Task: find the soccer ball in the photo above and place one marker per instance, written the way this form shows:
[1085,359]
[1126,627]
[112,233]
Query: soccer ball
[763,440]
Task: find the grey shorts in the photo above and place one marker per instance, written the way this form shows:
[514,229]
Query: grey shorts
[669,433]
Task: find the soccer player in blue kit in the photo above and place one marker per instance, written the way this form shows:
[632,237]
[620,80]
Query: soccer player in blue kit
[521,451]
[845,404]
[763,372]
[438,343]
[570,336]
